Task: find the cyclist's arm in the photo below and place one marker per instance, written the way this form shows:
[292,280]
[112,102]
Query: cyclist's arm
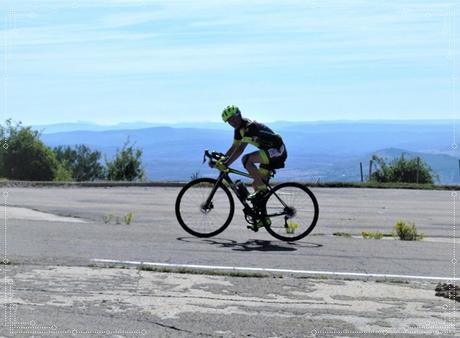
[234,152]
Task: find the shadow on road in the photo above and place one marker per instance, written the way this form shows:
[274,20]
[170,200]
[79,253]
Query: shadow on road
[251,245]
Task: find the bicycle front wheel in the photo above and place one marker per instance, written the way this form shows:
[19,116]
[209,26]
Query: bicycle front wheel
[293,211]
[200,215]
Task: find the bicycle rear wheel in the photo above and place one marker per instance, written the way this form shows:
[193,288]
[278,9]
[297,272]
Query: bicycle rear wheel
[293,211]
[199,219]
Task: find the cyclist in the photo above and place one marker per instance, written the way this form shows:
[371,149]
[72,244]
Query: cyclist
[271,154]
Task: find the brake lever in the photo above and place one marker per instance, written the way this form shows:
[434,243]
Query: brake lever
[206,153]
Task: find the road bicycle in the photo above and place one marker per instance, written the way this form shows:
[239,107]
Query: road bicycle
[205,206]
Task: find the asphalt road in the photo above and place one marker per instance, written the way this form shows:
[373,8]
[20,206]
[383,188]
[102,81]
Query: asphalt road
[53,288]
[64,301]
[155,236]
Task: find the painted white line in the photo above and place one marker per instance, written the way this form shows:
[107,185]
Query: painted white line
[303,272]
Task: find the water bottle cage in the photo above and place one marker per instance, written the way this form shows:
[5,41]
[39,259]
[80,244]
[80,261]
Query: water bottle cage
[241,191]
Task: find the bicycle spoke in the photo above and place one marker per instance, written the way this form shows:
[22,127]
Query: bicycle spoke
[196,216]
[300,216]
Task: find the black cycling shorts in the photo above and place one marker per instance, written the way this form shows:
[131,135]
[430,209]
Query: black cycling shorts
[273,158]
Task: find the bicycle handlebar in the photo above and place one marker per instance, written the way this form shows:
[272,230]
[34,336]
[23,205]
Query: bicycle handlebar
[213,157]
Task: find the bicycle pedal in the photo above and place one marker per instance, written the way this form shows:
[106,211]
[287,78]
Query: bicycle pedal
[253,228]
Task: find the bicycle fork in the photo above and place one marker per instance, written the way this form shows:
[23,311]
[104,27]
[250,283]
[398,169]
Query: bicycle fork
[208,203]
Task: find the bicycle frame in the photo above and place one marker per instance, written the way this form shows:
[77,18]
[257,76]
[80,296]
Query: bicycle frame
[224,177]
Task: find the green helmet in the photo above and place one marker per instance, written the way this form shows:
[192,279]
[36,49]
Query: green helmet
[229,112]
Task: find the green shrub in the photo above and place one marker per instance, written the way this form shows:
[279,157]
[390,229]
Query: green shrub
[62,174]
[126,166]
[402,170]
[23,156]
[407,231]
[372,235]
[83,163]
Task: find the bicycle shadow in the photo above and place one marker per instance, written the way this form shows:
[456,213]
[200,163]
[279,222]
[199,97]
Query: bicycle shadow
[251,244]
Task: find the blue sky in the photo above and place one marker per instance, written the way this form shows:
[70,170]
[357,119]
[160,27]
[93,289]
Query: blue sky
[183,61]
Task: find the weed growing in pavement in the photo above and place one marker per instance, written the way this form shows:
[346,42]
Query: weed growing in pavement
[107,218]
[407,232]
[342,234]
[314,277]
[392,281]
[8,262]
[372,234]
[291,227]
[113,266]
[127,219]
[202,272]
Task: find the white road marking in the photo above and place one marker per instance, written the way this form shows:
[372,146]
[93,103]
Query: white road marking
[303,272]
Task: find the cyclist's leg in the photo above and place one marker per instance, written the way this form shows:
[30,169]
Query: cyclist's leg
[264,172]
[272,158]
[264,165]
[249,162]
[260,175]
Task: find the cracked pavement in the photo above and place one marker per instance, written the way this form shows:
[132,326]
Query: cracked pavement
[83,300]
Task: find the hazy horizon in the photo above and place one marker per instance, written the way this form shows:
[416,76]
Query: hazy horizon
[327,150]
[432,120]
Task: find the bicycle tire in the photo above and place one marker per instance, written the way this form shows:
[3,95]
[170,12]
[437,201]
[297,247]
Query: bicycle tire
[315,212]
[184,223]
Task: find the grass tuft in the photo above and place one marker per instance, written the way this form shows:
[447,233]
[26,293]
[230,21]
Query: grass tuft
[392,281]
[407,232]
[127,219]
[107,218]
[202,272]
[342,234]
[291,227]
[372,234]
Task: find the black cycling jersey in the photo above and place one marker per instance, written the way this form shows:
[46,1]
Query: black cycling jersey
[258,135]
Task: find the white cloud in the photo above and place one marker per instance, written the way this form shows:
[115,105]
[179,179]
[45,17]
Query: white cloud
[213,22]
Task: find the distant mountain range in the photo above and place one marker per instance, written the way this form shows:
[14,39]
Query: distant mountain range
[88,126]
[328,151]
